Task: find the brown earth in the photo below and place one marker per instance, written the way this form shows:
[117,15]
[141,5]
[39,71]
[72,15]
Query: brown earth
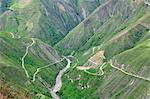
[7,92]
[61,7]
[98,58]
[85,67]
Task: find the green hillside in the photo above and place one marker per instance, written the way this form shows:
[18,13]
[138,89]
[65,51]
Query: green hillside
[92,30]
[74,49]
[44,19]
[40,54]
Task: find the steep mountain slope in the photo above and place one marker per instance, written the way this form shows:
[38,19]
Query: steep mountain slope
[114,84]
[123,12]
[48,20]
[127,44]
[135,61]
[19,63]
[108,52]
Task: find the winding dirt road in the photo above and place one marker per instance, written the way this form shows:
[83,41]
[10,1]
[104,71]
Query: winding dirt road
[127,73]
[38,69]
[23,58]
[12,35]
[101,69]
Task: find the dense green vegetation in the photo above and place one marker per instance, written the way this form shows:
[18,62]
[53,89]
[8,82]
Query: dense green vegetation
[48,20]
[119,28]
[11,52]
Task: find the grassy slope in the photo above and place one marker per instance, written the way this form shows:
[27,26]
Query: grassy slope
[45,19]
[41,54]
[109,29]
[136,61]
[127,38]
[99,23]
[102,38]
[114,84]
[130,48]
[32,21]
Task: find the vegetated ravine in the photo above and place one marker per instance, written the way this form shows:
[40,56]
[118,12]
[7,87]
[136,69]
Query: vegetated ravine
[75,49]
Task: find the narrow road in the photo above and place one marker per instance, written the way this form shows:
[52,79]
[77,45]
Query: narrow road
[58,83]
[12,35]
[127,73]
[38,69]
[23,58]
[101,69]
[85,68]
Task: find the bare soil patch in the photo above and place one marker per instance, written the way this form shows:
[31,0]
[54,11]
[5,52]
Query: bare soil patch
[61,7]
[85,67]
[98,57]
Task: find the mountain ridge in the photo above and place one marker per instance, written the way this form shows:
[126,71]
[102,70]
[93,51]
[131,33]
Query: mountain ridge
[104,55]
